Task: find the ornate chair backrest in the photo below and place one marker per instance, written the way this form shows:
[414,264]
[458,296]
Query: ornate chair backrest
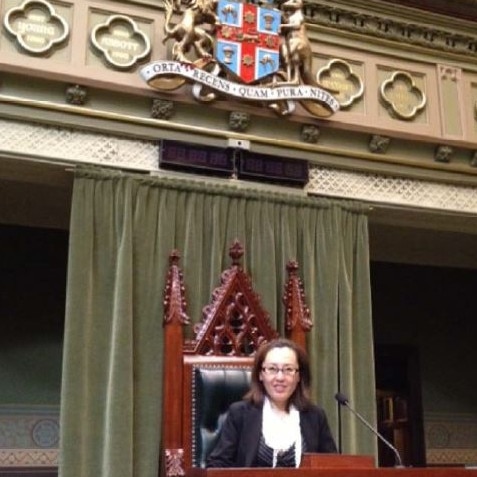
[203,376]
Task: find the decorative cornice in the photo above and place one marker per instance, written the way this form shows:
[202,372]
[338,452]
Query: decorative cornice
[402,31]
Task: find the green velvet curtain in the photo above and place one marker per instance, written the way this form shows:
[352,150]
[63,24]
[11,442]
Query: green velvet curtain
[123,227]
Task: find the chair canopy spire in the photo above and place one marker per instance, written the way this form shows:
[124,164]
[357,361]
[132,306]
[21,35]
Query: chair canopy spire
[234,323]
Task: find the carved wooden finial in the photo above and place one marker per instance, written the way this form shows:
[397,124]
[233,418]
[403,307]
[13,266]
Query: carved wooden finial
[292,267]
[174,257]
[175,304]
[297,319]
[236,252]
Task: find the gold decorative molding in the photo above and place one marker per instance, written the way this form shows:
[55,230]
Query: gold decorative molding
[36,26]
[29,457]
[401,95]
[451,456]
[120,41]
[338,77]
[327,152]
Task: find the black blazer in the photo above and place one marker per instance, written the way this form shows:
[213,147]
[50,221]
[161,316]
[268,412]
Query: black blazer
[238,442]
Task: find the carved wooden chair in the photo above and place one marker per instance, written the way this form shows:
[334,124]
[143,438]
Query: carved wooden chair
[203,376]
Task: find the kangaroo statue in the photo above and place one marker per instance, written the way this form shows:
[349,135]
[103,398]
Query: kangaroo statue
[295,50]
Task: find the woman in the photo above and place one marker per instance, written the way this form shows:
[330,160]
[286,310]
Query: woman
[276,422]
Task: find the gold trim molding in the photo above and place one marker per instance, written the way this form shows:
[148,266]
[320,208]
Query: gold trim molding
[29,457]
[319,152]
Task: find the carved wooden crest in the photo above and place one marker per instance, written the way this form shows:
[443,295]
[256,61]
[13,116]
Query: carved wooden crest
[234,323]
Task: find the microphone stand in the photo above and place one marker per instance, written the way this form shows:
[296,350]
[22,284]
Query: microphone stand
[342,400]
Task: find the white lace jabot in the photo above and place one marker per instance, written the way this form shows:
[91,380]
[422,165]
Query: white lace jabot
[281,430]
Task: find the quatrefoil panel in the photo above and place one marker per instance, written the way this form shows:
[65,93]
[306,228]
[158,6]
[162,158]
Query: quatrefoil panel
[120,41]
[403,98]
[36,26]
[337,76]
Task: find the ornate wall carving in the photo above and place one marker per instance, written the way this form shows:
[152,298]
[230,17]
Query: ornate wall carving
[29,436]
[451,439]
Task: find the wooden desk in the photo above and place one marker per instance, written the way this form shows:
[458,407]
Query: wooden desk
[334,472]
[337,461]
[335,465]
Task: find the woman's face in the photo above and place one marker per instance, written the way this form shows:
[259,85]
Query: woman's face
[280,375]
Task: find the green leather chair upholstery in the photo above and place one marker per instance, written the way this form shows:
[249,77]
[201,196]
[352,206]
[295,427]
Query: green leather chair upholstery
[214,390]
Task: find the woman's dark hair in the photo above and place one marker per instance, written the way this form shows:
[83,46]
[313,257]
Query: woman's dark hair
[301,397]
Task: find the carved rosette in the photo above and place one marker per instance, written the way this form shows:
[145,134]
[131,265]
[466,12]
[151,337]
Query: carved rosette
[443,154]
[239,121]
[174,462]
[310,133]
[76,95]
[379,144]
[162,109]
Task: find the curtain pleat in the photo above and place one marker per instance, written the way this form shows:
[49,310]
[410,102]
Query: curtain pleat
[123,228]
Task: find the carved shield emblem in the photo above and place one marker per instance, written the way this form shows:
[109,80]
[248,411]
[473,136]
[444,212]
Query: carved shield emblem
[248,40]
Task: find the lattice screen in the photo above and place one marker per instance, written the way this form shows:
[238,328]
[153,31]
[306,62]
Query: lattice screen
[56,143]
[392,190]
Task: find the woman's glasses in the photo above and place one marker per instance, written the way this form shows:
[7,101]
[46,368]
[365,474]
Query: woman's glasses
[272,370]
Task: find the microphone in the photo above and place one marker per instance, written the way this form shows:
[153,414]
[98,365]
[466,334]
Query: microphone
[343,401]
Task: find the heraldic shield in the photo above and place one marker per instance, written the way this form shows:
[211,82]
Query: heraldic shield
[247,39]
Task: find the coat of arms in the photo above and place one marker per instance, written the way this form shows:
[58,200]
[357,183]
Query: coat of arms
[241,50]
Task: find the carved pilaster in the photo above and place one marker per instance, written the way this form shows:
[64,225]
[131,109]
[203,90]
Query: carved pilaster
[175,317]
[452,100]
